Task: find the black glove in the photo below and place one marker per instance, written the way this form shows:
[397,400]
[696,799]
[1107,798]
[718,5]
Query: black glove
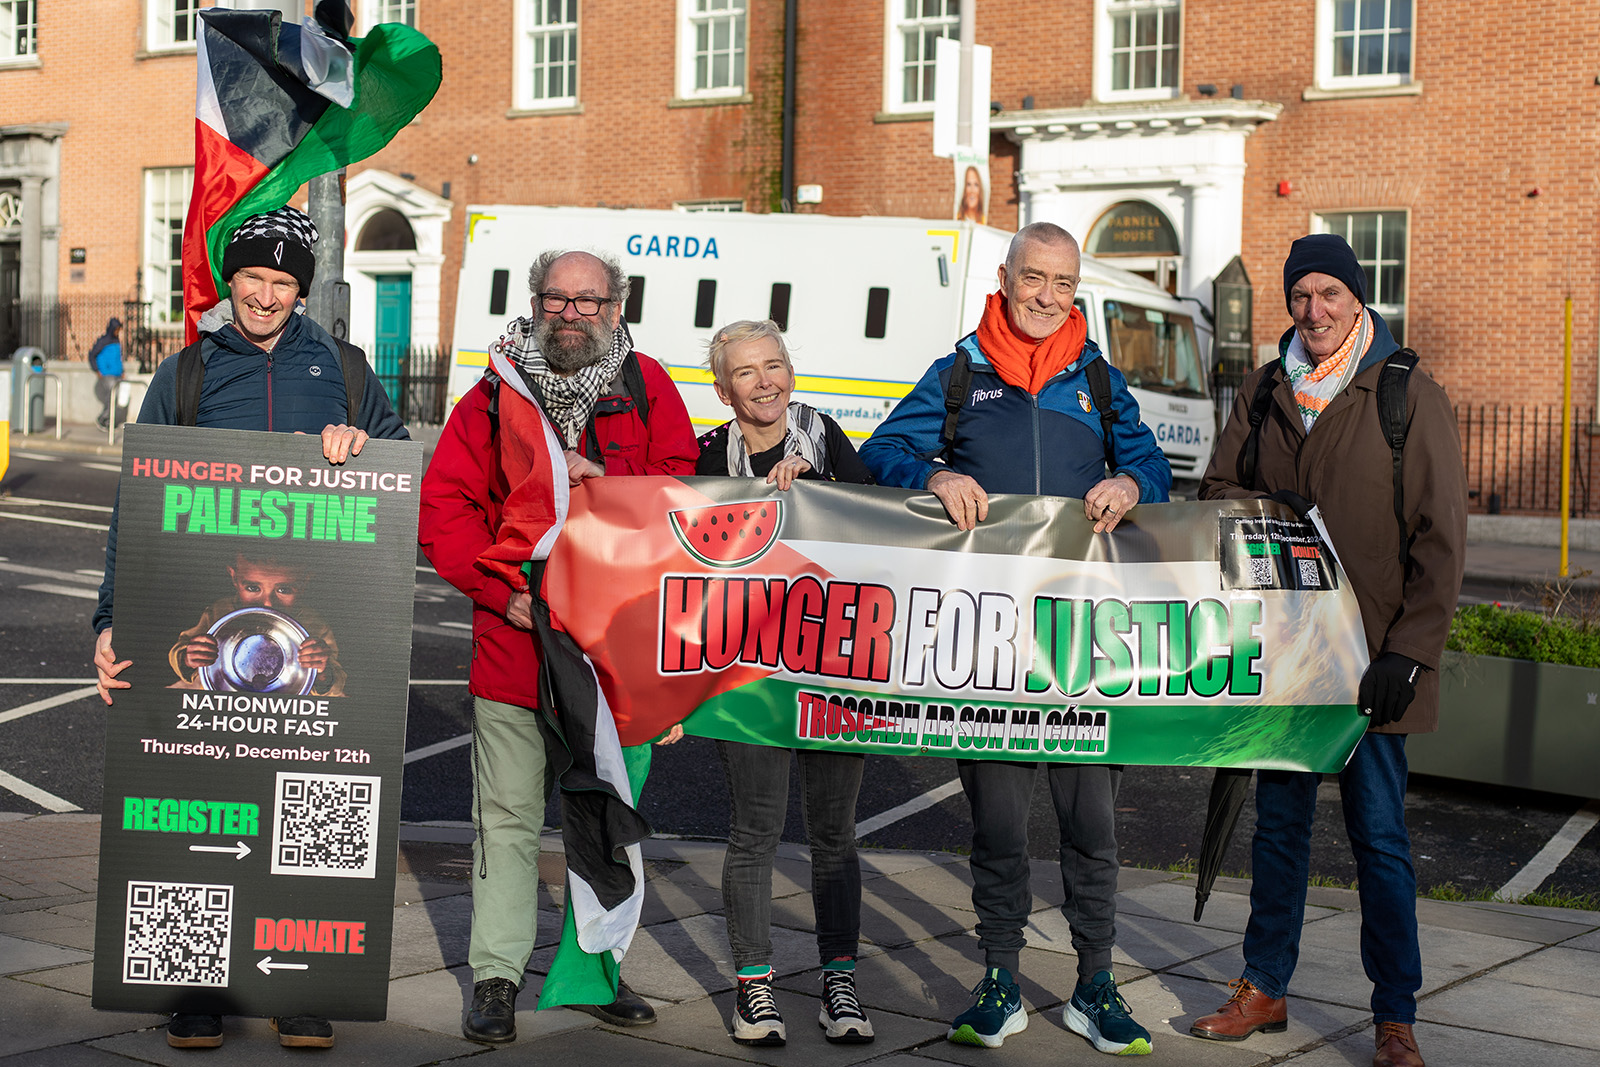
[1302,507]
[1388,687]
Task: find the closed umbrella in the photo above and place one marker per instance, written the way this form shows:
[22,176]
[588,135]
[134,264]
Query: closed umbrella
[1228,790]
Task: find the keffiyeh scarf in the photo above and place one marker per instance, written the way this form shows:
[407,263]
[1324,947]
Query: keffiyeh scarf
[567,399]
[803,436]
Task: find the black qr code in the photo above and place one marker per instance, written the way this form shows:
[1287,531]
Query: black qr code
[1310,574]
[325,825]
[177,933]
[1260,570]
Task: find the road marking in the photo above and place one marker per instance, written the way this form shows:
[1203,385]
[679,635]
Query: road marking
[63,590]
[48,801]
[43,572]
[46,704]
[1558,848]
[438,681]
[440,631]
[458,625]
[433,750]
[38,457]
[909,808]
[55,522]
[102,467]
[40,502]
[46,681]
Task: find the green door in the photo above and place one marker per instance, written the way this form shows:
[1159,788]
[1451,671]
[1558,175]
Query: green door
[393,332]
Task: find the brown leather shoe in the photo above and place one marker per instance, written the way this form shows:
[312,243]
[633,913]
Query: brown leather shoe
[1247,1011]
[1396,1046]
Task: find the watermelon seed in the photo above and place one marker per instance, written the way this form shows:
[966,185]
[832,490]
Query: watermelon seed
[763,513]
[741,534]
[758,531]
[724,535]
[705,539]
[713,520]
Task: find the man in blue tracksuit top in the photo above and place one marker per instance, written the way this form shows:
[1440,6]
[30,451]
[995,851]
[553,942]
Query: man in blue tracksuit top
[1029,423]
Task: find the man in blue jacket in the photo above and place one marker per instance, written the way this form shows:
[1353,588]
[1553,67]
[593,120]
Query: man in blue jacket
[1028,422]
[267,366]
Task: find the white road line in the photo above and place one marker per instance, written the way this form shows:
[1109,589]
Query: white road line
[440,631]
[425,570]
[40,502]
[55,522]
[433,750]
[909,808]
[48,801]
[102,467]
[458,625]
[46,704]
[438,681]
[46,681]
[1544,864]
[44,572]
[63,590]
[41,457]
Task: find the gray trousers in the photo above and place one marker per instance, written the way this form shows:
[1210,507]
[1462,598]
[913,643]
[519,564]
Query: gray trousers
[1000,793]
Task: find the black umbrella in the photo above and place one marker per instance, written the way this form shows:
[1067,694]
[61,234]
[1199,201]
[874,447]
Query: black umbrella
[1228,790]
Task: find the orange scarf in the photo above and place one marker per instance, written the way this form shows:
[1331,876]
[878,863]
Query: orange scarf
[1019,359]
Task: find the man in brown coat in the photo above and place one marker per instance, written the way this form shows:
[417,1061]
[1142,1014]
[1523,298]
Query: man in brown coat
[1321,444]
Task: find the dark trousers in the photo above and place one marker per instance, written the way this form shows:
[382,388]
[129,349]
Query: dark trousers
[758,784]
[1085,796]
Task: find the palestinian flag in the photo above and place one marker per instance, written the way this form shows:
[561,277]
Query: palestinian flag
[275,106]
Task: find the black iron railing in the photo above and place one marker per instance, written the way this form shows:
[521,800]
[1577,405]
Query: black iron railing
[67,329]
[1513,458]
[415,379]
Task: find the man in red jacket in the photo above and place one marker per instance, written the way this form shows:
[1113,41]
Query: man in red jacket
[573,361]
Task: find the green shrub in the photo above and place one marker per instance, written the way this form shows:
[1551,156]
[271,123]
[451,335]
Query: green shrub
[1492,630]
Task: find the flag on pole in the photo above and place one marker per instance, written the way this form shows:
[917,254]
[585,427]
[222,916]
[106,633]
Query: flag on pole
[275,106]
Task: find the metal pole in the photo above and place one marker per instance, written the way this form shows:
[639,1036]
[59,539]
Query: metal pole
[791,19]
[1566,432]
[328,303]
[969,34]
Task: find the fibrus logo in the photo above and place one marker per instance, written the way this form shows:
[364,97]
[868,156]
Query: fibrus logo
[980,395]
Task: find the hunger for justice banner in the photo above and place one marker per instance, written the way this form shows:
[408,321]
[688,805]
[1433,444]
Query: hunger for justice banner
[252,776]
[856,618]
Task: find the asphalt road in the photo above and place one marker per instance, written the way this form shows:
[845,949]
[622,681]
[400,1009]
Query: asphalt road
[53,512]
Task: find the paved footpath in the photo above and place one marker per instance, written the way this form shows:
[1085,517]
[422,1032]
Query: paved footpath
[1502,984]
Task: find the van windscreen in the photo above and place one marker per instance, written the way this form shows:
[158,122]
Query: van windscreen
[1155,350]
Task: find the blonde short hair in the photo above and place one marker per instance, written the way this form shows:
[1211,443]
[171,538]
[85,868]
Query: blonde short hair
[737,333]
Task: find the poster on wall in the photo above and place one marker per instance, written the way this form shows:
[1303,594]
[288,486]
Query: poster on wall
[253,769]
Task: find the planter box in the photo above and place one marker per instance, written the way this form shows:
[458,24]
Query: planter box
[1514,722]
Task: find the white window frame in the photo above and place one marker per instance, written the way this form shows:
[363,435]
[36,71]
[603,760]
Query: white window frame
[374,12]
[895,26]
[1105,14]
[715,206]
[689,20]
[529,30]
[12,26]
[1327,80]
[161,16]
[1389,258]
[164,188]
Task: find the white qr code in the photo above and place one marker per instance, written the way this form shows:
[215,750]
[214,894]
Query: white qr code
[1310,574]
[1260,570]
[177,934]
[325,825]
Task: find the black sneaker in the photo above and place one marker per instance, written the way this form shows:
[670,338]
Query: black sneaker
[755,1014]
[302,1031]
[187,1030]
[493,1015]
[841,1017]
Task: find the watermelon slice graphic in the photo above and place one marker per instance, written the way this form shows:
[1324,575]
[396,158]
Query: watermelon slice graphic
[728,535]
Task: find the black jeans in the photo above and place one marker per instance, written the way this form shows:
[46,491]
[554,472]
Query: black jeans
[1085,795]
[758,784]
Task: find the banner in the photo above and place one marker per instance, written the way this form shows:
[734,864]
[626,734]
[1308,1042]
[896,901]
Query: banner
[252,777]
[857,618]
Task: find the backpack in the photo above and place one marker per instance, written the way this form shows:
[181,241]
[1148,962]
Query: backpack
[1393,381]
[955,394]
[192,373]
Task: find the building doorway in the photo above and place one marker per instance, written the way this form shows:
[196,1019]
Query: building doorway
[392,330]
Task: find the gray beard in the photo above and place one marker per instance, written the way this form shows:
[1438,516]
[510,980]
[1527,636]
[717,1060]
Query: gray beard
[564,358]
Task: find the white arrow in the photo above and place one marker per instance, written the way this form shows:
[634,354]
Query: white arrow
[240,849]
[266,966]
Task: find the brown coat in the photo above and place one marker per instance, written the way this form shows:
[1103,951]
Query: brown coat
[1345,467]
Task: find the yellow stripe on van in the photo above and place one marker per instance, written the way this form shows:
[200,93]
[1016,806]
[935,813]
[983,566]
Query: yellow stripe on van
[473,220]
[955,243]
[465,358]
[811,383]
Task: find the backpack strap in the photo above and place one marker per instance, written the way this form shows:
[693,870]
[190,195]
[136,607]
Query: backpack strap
[625,393]
[1260,404]
[1393,381]
[955,394]
[354,363]
[1099,375]
[191,373]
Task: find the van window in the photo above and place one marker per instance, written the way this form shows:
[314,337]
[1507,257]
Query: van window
[778,306]
[877,312]
[499,281]
[1155,350]
[633,310]
[705,304]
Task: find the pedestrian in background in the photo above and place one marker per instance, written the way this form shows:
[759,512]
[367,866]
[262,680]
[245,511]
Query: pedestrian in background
[105,356]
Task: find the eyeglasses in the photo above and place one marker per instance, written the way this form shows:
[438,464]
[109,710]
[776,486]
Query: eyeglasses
[555,303]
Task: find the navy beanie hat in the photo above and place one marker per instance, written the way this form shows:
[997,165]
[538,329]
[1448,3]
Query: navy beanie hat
[1324,253]
[278,239]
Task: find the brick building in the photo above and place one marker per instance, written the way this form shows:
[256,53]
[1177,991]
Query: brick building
[1455,143]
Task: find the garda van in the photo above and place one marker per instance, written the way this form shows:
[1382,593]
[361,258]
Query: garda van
[866,304]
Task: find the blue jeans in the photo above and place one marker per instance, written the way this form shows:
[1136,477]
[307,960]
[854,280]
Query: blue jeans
[758,785]
[1372,788]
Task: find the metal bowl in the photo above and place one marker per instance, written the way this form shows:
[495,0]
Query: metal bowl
[258,651]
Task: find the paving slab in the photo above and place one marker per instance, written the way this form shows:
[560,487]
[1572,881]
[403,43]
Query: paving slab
[1534,924]
[1506,1008]
[75,978]
[1167,1005]
[877,863]
[1448,1045]
[66,1056]
[934,979]
[252,1043]
[438,1001]
[1589,942]
[18,955]
[1142,940]
[35,1017]
[1573,970]
[885,920]
[666,899]
[1175,901]
[601,1046]
[431,935]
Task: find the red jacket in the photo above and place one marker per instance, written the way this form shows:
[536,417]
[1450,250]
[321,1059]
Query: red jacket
[464,489]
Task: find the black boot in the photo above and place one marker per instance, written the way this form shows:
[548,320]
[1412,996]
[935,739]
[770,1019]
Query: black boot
[493,1015]
[629,1009]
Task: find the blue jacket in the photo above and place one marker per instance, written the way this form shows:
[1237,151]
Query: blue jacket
[1011,441]
[297,387]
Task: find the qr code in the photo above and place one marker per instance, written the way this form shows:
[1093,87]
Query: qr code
[1260,570]
[1310,574]
[177,933]
[325,825]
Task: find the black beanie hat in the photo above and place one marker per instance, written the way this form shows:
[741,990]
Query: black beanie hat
[278,239]
[1324,253]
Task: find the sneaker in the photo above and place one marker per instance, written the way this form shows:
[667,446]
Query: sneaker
[996,1012]
[187,1030]
[1098,1012]
[756,1020]
[303,1031]
[493,1015]
[841,1015]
